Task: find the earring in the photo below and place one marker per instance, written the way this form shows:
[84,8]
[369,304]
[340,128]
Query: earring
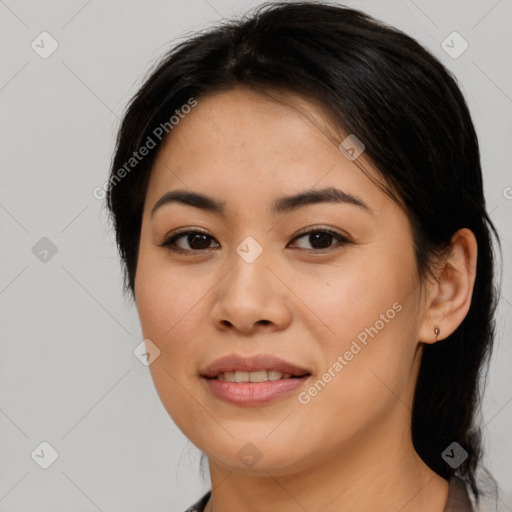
[437,331]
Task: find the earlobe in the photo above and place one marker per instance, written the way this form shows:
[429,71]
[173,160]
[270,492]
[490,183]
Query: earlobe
[449,297]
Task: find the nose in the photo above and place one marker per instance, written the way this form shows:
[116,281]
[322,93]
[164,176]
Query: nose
[251,297]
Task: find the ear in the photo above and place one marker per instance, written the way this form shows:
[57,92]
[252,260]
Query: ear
[449,295]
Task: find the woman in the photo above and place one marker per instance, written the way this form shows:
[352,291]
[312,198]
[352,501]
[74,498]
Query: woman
[297,198]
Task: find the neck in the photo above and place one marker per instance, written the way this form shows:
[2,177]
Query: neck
[370,473]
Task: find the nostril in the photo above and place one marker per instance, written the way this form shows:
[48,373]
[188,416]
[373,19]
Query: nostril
[265,322]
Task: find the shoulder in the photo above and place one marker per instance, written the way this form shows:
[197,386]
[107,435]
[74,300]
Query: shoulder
[462,499]
[199,506]
[458,497]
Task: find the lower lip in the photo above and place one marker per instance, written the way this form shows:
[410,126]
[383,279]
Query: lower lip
[254,393]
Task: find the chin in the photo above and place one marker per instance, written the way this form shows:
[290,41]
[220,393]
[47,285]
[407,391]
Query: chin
[258,458]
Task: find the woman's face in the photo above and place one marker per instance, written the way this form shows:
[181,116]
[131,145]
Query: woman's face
[344,308]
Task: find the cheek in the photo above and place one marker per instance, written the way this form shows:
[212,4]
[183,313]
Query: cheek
[168,304]
[354,293]
[369,305]
[162,307]
[167,298]
[364,370]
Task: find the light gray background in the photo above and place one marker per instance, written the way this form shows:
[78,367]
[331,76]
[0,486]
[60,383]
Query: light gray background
[68,374]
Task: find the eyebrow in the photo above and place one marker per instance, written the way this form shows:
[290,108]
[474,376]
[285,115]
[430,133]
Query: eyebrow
[280,205]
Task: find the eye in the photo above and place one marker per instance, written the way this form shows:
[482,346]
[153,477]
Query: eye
[320,239]
[195,239]
[198,241]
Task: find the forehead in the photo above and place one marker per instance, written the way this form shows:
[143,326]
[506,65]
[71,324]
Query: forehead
[239,142]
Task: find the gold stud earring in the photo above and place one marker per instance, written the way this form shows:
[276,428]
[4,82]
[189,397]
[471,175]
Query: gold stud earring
[437,331]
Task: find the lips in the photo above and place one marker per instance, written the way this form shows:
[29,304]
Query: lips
[254,363]
[253,380]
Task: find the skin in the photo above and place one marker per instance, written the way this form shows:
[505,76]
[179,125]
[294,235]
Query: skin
[349,448]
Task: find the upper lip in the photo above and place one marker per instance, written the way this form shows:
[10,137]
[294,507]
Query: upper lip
[235,362]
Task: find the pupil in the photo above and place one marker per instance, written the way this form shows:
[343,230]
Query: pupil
[203,244]
[320,239]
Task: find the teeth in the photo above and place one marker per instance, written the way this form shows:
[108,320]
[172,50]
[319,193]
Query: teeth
[257,376]
[242,376]
[228,376]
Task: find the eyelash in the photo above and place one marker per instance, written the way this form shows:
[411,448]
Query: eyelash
[169,242]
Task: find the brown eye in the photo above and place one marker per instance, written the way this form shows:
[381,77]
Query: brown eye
[321,239]
[196,241]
